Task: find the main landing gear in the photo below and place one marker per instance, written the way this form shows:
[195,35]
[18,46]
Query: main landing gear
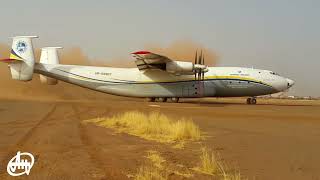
[163,99]
[252,100]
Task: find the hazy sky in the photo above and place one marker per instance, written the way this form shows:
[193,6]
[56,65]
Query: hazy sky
[279,35]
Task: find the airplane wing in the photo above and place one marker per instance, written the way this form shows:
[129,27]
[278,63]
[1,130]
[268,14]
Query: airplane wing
[146,60]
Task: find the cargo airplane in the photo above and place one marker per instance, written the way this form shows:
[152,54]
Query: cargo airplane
[156,77]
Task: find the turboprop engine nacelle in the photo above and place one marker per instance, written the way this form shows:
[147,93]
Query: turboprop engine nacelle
[49,55]
[184,68]
[180,67]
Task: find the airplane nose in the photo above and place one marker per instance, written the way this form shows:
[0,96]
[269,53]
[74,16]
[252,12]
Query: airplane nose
[290,83]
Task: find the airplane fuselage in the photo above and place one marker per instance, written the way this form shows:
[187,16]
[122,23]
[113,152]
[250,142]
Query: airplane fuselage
[217,82]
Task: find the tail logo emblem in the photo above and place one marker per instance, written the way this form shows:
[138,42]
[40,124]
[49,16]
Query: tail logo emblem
[21,46]
[20,164]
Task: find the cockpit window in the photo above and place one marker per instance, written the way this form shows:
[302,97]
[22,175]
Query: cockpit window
[274,73]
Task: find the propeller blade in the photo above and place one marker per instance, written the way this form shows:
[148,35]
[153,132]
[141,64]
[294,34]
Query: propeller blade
[202,69]
[195,58]
[202,55]
[203,59]
[195,62]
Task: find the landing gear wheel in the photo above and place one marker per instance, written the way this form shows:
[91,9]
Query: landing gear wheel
[251,101]
[175,99]
[161,99]
[152,99]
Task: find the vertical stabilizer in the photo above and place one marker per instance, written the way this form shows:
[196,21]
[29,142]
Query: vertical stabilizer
[49,55]
[23,56]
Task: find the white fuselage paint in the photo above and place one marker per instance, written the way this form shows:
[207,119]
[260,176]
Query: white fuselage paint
[218,81]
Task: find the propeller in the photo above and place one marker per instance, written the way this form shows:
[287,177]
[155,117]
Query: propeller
[199,67]
[203,64]
[195,62]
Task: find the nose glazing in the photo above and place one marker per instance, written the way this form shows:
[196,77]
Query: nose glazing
[290,83]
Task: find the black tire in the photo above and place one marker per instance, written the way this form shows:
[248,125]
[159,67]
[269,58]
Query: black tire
[152,99]
[249,100]
[162,99]
[175,99]
[253,101]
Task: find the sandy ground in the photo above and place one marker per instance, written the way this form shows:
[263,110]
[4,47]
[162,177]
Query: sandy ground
[273,140]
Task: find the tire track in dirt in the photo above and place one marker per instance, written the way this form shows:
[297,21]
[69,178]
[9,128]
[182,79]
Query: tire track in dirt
[32,130]
[21,141]
[89,146]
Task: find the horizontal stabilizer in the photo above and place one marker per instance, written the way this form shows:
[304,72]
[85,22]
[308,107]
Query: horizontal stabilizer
[8,60]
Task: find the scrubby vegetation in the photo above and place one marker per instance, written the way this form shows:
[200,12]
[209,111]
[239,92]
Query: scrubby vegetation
[211,165]
[159,127]
[156,159]
[154,126]
[208,162]
[150,173]
[157,168]
[154,169]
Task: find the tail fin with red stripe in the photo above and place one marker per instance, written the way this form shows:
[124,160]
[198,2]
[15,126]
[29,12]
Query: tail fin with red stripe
[21,59]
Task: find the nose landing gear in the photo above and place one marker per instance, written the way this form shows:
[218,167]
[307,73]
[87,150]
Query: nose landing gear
[252,100]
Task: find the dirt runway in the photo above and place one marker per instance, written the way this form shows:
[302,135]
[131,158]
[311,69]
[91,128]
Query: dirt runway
[275,140]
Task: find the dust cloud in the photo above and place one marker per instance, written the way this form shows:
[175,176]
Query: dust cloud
[13,89]
[184,50]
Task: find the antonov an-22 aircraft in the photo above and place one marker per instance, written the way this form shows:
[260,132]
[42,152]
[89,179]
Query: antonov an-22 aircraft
[156,77]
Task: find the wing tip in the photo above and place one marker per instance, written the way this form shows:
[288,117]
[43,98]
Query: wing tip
[141,52]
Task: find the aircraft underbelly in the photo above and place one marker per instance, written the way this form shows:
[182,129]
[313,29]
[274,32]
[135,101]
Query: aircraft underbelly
[172,89]
[185,89]
[236,88]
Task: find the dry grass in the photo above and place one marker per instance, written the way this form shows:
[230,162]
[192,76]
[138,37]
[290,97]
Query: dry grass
[226,176]
[156,159]
[153,126]
[150,173]
[157,168]
[210,164]
[154,170]
[160,128]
